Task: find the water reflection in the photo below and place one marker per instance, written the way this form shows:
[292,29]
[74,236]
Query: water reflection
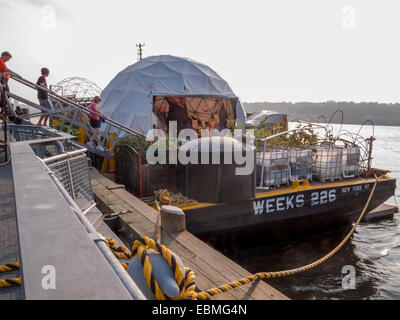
[322,282]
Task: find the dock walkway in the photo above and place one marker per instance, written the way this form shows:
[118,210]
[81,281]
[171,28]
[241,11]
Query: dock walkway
[211,268]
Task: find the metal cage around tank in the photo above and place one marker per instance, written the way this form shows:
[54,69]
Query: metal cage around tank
[301,162]
[272,168]
[351,162]
[327,163]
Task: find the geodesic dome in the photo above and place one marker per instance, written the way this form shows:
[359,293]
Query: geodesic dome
[77,89]
[130,97]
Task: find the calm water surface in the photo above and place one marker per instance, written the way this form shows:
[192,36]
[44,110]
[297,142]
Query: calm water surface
[374,250]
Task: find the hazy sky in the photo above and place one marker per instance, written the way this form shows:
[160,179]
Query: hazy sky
[299,50]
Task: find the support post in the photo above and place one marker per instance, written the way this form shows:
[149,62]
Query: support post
[82,135]
[172,219]
[371,141]
[109,165]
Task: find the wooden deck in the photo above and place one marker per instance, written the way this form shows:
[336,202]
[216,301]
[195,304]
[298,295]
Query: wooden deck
[210,266]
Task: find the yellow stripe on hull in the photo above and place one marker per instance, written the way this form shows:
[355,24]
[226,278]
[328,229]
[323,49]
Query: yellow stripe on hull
[289,190]
[319,186]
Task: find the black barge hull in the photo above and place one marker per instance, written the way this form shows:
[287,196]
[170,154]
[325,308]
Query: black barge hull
[287,214]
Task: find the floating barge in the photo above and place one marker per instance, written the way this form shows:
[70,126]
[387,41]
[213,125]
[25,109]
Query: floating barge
[268,205]
[287,213]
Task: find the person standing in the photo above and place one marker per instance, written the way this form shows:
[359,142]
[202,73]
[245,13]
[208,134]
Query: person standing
[95,123]
[43,97]
[5,57]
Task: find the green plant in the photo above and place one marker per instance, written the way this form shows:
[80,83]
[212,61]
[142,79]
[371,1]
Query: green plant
[138,142]
[141,145]
[74,131]
[304,137]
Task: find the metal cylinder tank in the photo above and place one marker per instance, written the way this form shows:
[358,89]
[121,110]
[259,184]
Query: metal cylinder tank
[221,169]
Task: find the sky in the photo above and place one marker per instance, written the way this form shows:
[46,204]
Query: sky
[268,50]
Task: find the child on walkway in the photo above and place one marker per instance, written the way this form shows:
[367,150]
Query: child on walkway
[43,97]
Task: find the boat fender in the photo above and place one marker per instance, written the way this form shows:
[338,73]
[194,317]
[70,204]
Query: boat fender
[161,271]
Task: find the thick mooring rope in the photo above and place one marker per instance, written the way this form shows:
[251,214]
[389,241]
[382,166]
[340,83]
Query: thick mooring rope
[10,267]
[185,279]
[12,282]
[267,275]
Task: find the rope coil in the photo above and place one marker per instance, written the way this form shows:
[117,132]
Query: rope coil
[184,278]
[165,197]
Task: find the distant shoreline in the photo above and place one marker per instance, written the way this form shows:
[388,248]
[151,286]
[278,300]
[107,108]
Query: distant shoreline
[346,123]
[381,114]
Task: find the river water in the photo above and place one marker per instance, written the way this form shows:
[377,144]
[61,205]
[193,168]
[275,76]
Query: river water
[373,252]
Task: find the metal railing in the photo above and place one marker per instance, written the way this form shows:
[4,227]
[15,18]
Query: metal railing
[72,170]
[68,161]
[69,113]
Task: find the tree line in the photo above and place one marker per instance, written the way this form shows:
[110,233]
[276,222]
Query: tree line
[354,113]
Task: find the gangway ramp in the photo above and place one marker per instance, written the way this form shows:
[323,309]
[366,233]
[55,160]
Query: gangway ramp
[69,113]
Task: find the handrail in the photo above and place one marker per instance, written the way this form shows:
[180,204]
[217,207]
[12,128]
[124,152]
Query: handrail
[64,155]
[59,98]
[37,114]
[60,116]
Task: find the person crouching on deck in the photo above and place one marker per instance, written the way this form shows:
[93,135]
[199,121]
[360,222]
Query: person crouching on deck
[95,123]
[43,97]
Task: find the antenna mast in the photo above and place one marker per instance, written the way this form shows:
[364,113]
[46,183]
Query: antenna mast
[140,50]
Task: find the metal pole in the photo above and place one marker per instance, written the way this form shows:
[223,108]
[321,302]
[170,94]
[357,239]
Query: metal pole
[64,155]
[263,164]
[140,51]
[4,116]
[371,141]
[71,181]
[140,175]
[62,117]
[73,120]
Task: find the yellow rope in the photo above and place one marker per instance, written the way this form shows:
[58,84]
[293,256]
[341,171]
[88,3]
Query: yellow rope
[12,282]
[267,275]
[10,267]
[119,252]
[168,198]
[5,283]
[185,279]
